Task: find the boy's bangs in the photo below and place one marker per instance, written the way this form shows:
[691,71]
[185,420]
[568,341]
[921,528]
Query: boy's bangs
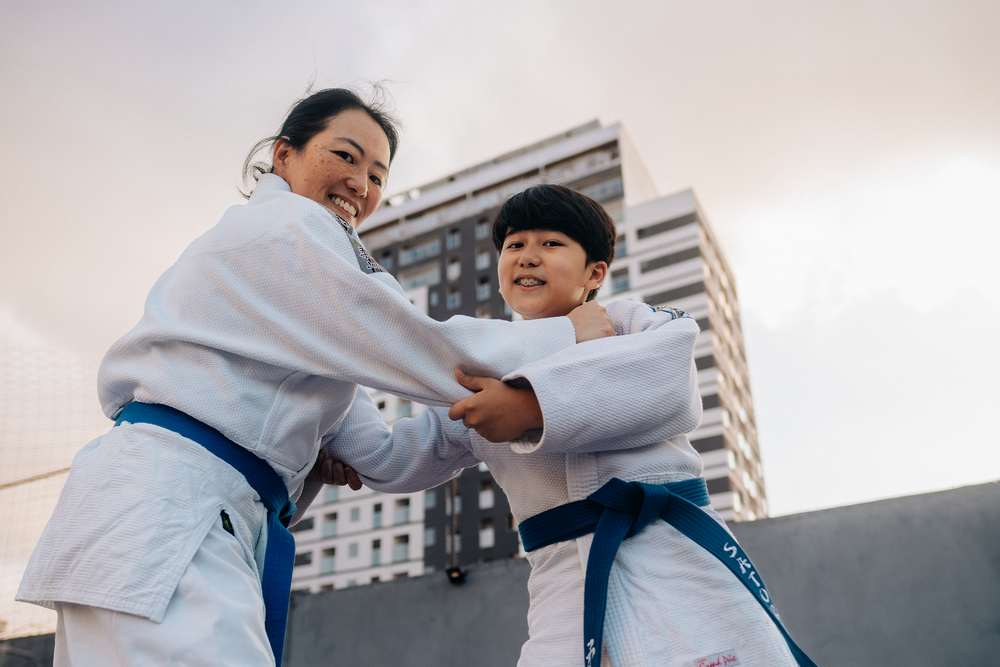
[560,209]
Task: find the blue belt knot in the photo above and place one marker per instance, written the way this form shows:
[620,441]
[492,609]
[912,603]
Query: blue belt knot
[619,510]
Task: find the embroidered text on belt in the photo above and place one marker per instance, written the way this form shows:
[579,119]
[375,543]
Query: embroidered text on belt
[279,556]
[619,510]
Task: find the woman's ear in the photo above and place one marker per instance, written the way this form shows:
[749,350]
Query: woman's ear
[598,272]
[283,151]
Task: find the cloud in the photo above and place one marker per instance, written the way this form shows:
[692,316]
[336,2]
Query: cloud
[922,228]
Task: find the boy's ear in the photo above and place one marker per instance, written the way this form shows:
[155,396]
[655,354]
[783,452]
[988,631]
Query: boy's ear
[598,272]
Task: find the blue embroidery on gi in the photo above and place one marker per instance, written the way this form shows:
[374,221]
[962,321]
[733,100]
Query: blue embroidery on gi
[676,312]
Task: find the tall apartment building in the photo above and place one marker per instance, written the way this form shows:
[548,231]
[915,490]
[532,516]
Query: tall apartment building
[436,241]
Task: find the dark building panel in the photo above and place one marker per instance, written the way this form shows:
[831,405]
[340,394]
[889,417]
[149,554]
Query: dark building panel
[708,444]
[718,485]
[660,227]
[673,294]
[702,363]
[667,260]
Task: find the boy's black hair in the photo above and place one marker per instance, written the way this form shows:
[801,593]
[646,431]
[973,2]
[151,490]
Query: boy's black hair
[559,209]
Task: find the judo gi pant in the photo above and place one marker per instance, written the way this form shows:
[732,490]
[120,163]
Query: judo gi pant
[215,618]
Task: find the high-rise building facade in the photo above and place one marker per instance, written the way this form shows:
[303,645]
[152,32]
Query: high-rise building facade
[436,241]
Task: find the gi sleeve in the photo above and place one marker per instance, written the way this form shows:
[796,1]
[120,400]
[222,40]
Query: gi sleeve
[278,282]
[634,389]
[416,454]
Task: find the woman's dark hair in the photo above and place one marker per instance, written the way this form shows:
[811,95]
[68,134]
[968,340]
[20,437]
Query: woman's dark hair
[311,115]
[559,209]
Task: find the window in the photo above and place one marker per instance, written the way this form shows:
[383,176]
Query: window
[305,524]
[418,276]
[420,251]
[400,575]
[434,298]
[482,259]
[660,227]
[448,502]
[454,238]
[602,191]
[404,408]
[483,289]
[744,445]
[486,534]
[331,494]
[377,516]
[303,559]
[375,579]
[483,312]
[454,270]
[454,298]
[328,564]
[400,548]
[448,540]
[621,249]
[330,525]
[352,550]
[483,230]
[482,467]
[430,537]
[401,513]
[667,260]
[386,260]
[430,498]
[376,553]
[485,494]
[620,281]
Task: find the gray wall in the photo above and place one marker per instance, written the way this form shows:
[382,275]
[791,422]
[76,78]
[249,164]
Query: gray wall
[912,581]
[420,621]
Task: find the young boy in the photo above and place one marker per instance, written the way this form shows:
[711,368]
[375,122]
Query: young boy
[669,601]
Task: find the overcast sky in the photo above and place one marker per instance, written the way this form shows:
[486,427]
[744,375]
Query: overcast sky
[847,154]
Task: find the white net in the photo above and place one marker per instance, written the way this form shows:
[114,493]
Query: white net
[48,411]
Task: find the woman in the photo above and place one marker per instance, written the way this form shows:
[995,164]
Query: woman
[255,341]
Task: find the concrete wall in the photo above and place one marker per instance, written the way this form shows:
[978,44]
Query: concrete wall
[27,651]
[420,621]
[910,581]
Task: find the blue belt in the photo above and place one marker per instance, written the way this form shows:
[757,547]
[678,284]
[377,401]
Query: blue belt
[621,509]
[279,557]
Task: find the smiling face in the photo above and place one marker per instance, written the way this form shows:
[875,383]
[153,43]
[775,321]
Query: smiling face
[344,167]
[545,273]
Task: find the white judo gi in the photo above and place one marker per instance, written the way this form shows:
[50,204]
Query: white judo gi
[669,601]
[261,329]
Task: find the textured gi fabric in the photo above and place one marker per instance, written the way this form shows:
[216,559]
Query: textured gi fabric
[260,330]
[669,601]
[227,631]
